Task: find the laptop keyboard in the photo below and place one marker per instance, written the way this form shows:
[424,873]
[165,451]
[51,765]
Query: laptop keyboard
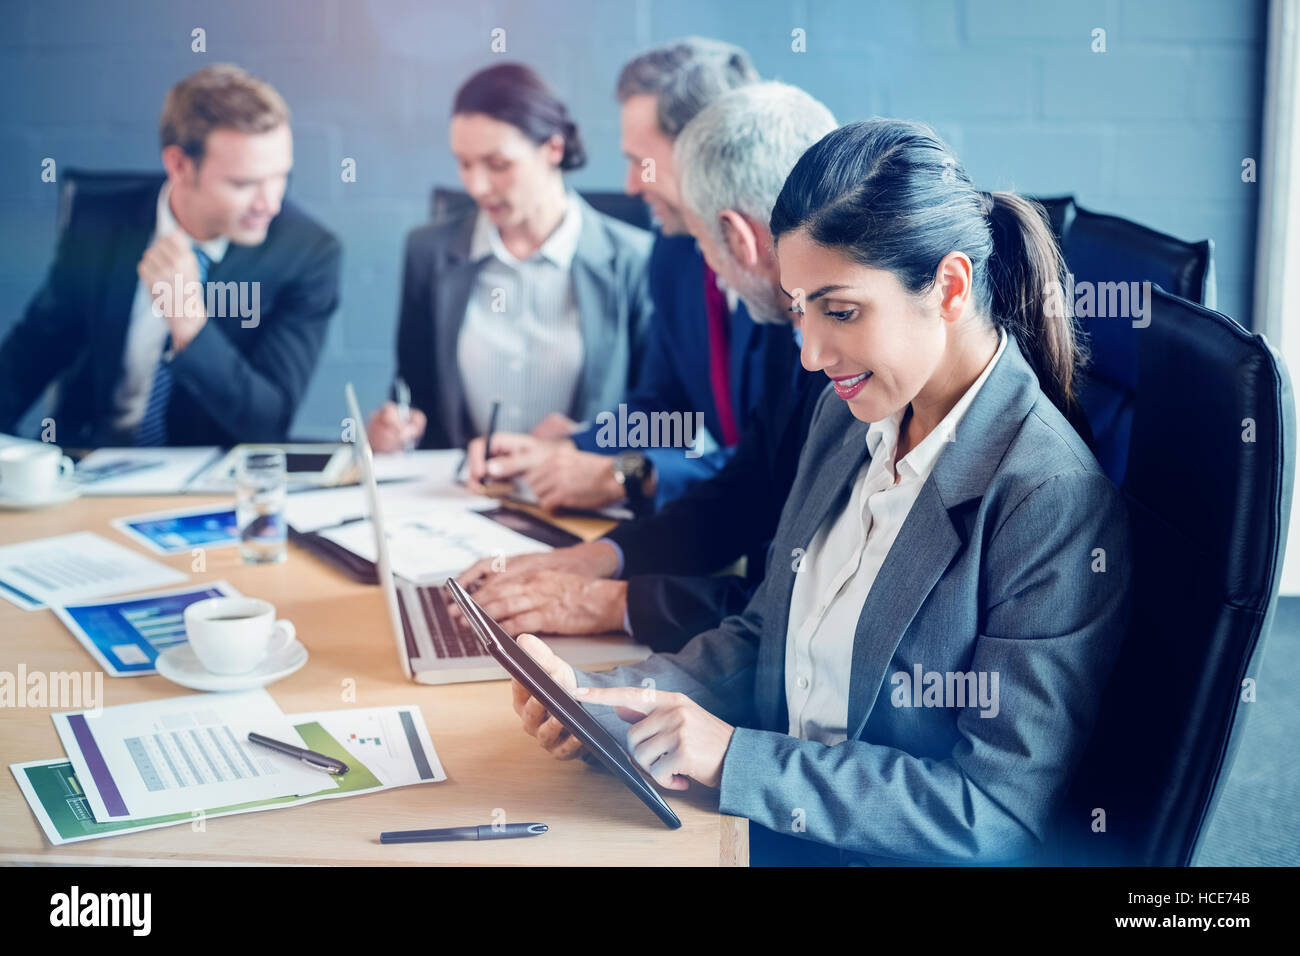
[450,639]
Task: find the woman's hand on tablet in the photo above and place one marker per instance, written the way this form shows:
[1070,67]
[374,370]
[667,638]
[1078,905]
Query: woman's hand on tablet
[550,733]
[672,737]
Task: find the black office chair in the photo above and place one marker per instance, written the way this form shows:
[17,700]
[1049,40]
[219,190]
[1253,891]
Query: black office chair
[1111,248]
[73,184]
[1060,213]
[1101,249]
[629,209]
[85,182]
[1208,487]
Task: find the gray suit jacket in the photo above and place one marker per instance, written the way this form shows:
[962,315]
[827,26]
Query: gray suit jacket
[997,571]
[610,285]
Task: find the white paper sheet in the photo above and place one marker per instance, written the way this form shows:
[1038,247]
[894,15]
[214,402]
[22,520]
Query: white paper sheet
[430,547]
[436,466]
[175,469]
[391,742]
[70,568]
[408,758]
[416,482]
[182,754]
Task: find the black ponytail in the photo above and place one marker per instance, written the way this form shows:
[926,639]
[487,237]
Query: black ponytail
[1026,286]
[890,194]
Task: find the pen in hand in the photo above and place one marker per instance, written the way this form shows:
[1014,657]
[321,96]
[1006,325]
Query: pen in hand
[402,396]
[492,427]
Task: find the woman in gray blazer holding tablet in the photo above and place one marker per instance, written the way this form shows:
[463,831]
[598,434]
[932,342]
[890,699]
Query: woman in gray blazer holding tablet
[918,674]
[529,297]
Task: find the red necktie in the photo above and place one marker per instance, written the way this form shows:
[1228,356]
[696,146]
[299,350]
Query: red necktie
[715,304]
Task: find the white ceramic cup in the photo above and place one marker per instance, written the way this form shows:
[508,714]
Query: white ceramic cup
[32,472]
[232,635]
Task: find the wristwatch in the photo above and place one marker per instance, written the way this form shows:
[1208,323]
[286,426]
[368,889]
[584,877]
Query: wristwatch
[632,470]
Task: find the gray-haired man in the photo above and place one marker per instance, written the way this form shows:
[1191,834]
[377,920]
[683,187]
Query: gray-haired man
[734,158]
[706,362]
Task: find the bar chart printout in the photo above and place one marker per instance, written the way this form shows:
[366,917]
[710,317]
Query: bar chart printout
[182,754]
[126,635]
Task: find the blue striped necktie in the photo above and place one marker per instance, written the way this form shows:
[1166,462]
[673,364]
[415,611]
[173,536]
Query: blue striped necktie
[153,426]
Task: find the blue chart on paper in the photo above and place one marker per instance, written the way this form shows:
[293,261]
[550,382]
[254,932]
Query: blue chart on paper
[131,634]
[182,532]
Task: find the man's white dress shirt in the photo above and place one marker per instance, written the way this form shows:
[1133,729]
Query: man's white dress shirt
[148,330]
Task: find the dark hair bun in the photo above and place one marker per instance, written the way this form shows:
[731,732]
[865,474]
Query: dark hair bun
[516,94]
[575,152]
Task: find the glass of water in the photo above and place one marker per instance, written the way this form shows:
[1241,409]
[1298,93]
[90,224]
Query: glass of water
[261,484]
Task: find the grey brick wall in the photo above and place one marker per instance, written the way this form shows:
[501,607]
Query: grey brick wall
[1155,128]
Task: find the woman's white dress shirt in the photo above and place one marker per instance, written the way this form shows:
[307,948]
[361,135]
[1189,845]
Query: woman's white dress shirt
[521,341]
[841,564]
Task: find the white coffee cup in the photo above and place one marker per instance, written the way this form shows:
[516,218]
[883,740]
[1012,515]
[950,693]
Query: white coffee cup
[32,472]
[232,635]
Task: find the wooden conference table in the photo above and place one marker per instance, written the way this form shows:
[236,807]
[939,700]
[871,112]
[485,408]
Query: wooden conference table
[490,762]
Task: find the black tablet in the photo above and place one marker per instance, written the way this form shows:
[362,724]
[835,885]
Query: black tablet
[560,704]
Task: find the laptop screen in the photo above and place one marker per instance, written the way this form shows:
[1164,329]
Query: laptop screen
[366,463]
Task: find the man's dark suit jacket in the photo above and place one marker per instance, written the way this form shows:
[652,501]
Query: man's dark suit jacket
[673,374]
[670,557]
[230,384]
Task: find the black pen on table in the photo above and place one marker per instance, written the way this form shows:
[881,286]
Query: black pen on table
[309,757]
[507,831]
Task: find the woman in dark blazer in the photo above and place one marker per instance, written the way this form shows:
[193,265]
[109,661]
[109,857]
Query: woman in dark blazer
[527,297]
[918,674]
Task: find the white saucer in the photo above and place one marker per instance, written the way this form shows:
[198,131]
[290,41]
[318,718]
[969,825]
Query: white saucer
[63,491]
[180,665]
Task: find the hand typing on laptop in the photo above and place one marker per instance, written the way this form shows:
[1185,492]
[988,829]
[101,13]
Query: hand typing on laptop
[564,591]
[553,602]
[593,559]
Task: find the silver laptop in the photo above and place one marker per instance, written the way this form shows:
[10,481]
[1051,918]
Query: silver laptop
[433,647]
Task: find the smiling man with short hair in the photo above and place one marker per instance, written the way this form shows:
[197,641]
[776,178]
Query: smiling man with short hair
[191,309]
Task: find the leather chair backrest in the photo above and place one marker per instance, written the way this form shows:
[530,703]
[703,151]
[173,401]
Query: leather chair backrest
[1060,213]
[1109,258]
[1210,469]
[629,209]
[84,182]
